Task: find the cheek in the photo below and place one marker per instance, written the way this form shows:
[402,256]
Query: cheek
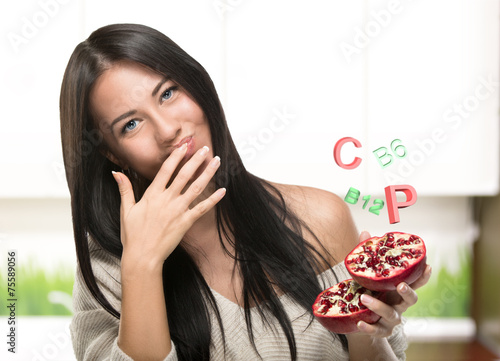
[191,110]
[143,157]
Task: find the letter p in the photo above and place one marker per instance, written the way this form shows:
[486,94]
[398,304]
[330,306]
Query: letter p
[392,202]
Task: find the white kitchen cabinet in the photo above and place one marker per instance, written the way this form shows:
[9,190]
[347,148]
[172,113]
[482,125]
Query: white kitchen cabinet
[283,57]
[294,78]
[433,76]
[375,70]
[37,40]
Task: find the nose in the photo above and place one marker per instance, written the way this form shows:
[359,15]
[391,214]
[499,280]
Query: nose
[167,129]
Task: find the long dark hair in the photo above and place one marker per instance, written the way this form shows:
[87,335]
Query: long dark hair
[253,215]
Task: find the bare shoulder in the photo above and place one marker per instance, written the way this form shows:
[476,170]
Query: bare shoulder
[327,216]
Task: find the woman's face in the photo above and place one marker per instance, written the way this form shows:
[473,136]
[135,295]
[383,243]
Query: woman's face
[144,116]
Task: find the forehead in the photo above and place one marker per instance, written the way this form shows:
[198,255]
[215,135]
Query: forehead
[121,88]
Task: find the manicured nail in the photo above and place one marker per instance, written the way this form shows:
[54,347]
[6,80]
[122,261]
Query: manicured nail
[362,325]
[204,150]
[365,299]
[183,147]
[215,162]
[220,192]
[117,177]
[404,288]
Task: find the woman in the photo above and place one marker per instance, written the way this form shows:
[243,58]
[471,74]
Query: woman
[183,254]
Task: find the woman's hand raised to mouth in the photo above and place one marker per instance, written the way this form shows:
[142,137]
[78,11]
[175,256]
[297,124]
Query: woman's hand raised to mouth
[153,227]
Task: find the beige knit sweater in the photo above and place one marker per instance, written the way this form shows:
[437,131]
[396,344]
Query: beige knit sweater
[94,331]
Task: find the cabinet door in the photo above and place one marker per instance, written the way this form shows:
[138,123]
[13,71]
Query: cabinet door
[433,83]
[291,92]
[38,38]
[424,72]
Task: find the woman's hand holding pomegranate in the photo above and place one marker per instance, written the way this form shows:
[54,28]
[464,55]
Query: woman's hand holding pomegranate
[396,302]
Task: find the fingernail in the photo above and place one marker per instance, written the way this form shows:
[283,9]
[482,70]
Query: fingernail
[362,325]
[365,299]
[204,150]
[183,147]
[117,177]
[220,193]
[215,162]
[404,288]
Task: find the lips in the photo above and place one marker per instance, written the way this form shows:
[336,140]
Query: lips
[189,141]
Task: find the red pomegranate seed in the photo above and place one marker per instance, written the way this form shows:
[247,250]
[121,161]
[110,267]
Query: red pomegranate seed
[353,308]
[349,297]
[339,293]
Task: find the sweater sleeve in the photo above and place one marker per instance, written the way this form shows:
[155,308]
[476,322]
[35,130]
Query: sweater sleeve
[398,341]
[94,332]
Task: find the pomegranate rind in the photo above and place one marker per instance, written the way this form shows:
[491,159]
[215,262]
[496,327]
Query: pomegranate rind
[343,323]
[389,283]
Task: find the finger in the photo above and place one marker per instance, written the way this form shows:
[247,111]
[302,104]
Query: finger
[422,280]
[188,170]
[388,313]
[199,184]
[363,236]
[203,207]
[408,295]
[168,168]
[126,191]
[374,329]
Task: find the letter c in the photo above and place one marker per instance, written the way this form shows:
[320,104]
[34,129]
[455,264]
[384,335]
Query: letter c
[338,147]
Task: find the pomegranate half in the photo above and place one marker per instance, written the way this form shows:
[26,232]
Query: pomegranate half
[381,263]
[339,308]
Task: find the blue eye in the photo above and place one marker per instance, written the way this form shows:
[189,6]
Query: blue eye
[167,94]
[130,126]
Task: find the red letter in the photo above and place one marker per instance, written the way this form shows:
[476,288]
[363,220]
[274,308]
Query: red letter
[392,202]
[338,147]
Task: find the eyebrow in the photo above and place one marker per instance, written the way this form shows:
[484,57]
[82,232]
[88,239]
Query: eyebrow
[132,112]
[123,116]
[157,88]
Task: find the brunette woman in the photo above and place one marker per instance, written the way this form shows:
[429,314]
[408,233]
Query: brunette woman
[182,253]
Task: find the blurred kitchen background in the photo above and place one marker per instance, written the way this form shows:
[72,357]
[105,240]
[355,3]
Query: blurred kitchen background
[294,78]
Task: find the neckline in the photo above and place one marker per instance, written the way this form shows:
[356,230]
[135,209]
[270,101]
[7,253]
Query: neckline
[227,300]
[280,297]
